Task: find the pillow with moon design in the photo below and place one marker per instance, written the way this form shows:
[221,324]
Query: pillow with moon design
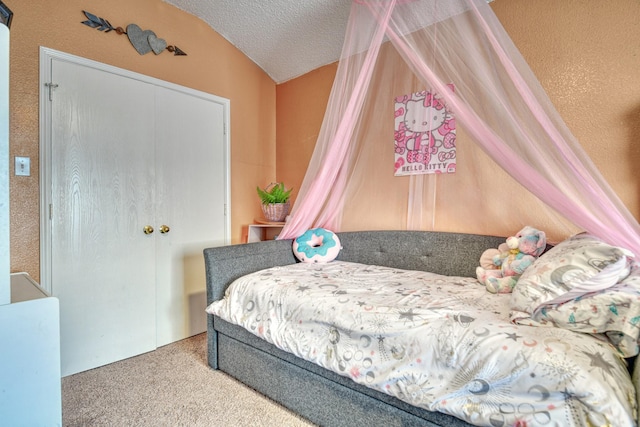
[614,312]
[577,266]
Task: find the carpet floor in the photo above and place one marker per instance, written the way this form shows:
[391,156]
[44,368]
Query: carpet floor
[171,386]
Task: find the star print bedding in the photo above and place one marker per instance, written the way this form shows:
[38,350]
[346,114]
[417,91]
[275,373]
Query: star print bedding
[437,342]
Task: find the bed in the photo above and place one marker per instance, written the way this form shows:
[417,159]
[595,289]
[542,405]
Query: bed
[492,360]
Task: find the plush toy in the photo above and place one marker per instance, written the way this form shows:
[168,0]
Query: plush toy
[500,268]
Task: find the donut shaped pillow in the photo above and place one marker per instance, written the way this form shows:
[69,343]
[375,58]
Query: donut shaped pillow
[317,245]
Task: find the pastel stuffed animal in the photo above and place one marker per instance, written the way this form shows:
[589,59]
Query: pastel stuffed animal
[490,263]
[509,261]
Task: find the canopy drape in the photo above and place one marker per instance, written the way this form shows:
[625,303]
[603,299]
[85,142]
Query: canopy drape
[393,47]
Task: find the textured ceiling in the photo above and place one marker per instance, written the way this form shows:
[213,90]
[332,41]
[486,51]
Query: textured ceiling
[286,38]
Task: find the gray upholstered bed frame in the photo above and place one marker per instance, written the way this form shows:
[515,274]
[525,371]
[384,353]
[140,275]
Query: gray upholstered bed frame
[315,393]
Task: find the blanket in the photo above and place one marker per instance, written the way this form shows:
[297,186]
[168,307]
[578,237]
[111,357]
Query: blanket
[437,342]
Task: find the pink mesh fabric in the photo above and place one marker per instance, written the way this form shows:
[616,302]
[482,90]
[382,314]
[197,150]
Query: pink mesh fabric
[397,47]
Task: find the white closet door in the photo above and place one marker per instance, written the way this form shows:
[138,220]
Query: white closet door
[191,194]
[103,184]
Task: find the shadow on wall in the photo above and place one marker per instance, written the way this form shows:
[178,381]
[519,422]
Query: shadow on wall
[195,292]
[633,120]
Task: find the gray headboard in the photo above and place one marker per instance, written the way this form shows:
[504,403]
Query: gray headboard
[452,254]
[439,252]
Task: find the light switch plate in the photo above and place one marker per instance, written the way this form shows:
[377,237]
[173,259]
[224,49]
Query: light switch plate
[23,166]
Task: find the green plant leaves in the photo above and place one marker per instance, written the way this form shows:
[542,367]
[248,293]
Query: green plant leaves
[276,194]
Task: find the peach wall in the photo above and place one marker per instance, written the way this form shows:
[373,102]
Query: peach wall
[298,120]
[212,65]
[586,58]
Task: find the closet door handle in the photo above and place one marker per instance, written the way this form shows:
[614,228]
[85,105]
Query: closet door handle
[164,229]
[147,229]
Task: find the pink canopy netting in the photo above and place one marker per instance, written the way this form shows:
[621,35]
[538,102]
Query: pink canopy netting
[459,50]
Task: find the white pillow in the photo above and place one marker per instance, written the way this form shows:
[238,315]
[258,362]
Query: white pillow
[577,266]
[317,245]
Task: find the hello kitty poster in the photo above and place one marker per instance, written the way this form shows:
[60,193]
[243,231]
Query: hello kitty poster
[425,135]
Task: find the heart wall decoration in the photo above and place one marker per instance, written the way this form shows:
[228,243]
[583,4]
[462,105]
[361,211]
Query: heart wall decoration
[143,41]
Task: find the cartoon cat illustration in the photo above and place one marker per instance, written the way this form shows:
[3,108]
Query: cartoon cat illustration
[424,128]
[421,119]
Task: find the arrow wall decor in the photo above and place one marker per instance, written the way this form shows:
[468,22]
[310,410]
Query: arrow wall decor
[143,41]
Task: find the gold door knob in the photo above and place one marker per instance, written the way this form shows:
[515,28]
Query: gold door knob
[164,229]
[147,229]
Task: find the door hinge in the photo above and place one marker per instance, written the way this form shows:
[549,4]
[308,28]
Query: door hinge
[50,211]
[51,86]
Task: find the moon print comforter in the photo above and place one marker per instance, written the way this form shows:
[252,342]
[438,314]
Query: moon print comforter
[437,342]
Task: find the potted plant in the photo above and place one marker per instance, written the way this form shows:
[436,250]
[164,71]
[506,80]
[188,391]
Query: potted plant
[275,201]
